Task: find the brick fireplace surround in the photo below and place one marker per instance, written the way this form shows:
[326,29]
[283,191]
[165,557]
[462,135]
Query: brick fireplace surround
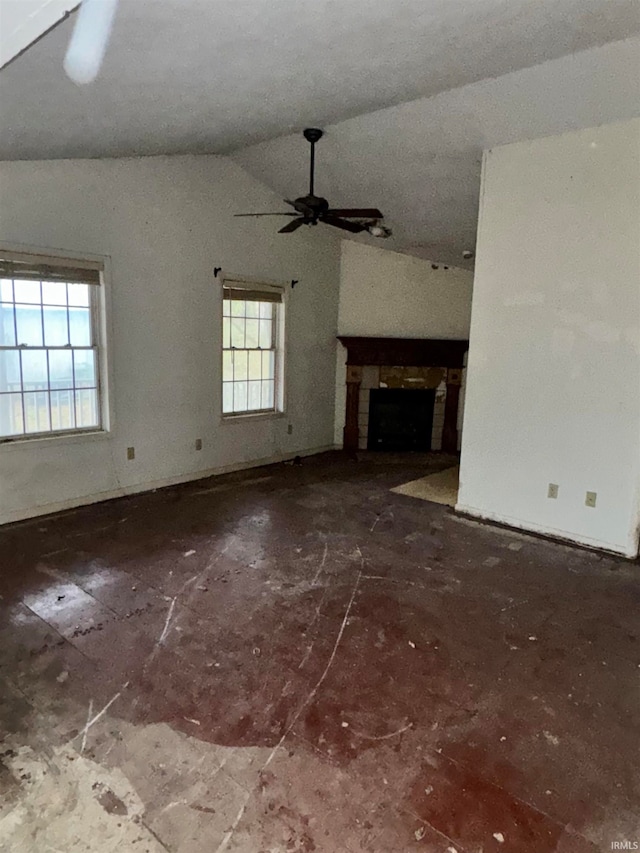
[404,363]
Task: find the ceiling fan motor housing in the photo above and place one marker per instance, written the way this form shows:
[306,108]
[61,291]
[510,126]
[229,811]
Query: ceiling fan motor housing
[311,206]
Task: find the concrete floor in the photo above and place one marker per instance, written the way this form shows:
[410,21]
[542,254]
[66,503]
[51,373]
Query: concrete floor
[296,659]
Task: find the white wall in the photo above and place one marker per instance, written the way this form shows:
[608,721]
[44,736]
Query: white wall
[553,385]
[390,295]
[24,21]
[165,223]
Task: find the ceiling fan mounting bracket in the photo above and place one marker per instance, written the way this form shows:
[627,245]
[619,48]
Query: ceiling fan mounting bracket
[313,134]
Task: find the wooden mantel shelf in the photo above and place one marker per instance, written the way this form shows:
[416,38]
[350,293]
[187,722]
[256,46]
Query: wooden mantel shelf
[405,352]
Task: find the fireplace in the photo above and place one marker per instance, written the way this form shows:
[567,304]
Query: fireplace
[400,419]
[403,364]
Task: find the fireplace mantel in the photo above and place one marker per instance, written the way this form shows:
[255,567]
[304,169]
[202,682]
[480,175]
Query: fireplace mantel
[401,352]
[404,352]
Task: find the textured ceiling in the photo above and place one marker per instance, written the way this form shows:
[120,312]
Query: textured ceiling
[209,76]
[411,92]
[420,162]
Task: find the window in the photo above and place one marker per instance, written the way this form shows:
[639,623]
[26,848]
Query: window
[252,322]
[49,359]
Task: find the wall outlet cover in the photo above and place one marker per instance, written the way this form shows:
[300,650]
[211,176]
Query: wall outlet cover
[131,453]
[590,499]
[552,491]
[198,444]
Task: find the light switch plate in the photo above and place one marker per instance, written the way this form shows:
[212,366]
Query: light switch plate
[590,500]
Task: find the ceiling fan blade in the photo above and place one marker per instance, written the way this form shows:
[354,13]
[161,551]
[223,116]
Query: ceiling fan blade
[90,40]
[285,213]
[357,212]
[354,227]
[290,227]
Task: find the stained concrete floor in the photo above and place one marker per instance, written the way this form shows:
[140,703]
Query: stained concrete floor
[296,659]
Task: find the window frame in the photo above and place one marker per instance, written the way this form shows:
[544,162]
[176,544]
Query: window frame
[280,349]
[99,313]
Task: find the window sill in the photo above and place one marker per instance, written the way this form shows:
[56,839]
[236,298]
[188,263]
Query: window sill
[56,438]
[250,416]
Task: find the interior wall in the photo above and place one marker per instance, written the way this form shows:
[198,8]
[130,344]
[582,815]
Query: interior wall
[390,295]
[165,223]
[24,21]
[553,385]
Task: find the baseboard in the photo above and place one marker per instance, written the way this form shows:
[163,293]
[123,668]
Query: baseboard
[552,535]
[138,488]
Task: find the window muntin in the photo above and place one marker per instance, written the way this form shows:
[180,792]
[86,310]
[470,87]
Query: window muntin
[251,322]
[49,360]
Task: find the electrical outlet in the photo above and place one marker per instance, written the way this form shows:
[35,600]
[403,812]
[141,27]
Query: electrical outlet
[289,429]
[131,453]
[198,444]
[591,499]
[553,491]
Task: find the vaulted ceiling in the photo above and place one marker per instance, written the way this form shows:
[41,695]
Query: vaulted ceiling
[221,76]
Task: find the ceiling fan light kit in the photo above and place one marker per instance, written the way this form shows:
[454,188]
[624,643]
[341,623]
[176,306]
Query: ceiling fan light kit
[311,209]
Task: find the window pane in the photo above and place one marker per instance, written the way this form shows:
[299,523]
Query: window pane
[85,368]
[266,310]
[60,369]
[56,331]
[6,290]
[27,291]
[226,333]
[240,365]
[226,307]
[80,326]
[36,412]
[255,396]
[268,364]
[7,326]
[54,293]
[238,308]
[237,332]
[29,323]
[86,408]
[253,309]
[252,333]
[227,366]
[34,370]
[267,394]
[11,414]
[9,370]
[255,364]
[227,397]
[78,294]
[62,410]
[240,396]
[266,336]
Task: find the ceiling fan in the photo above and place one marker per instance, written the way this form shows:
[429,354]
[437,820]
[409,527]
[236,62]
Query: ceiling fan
[312,209]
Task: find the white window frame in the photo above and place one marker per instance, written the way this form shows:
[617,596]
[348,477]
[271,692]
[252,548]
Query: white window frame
[245,283]
[99,304]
